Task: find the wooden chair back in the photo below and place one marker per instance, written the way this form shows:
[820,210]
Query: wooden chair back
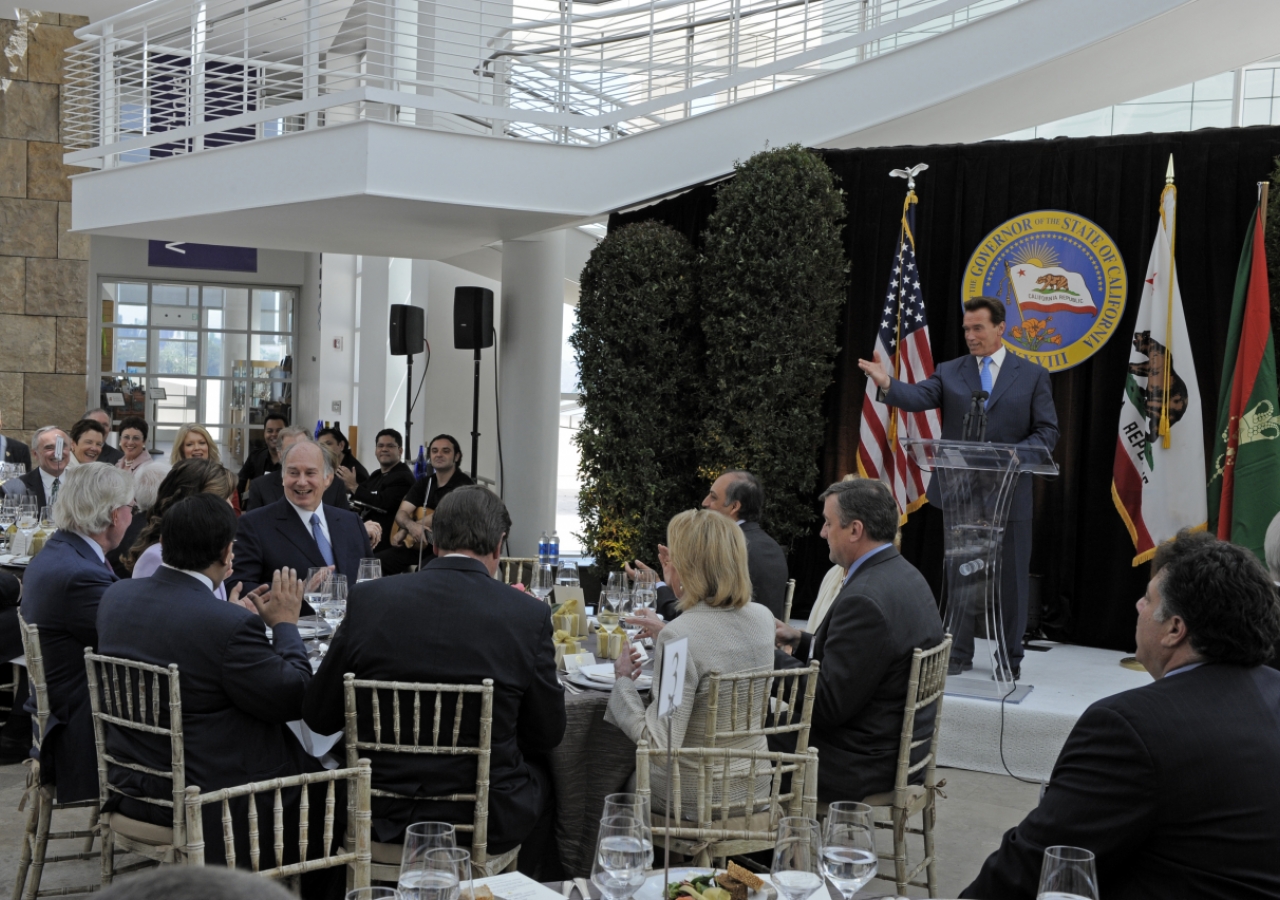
[729,828]
[146,699]
[791,596]
[925,686]
[355,854]
[35,678]
[762,703]
[411,717]
[516,569]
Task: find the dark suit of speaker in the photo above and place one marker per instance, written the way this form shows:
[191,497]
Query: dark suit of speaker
[767,565]
[884,612]
[1173,786]
[61,591]
[267,489]
[238,691]
[274,537]
[1020,411]
[451,622]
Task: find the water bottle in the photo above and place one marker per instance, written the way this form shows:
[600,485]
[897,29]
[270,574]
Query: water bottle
[544,549]
[973,565]
[553,548]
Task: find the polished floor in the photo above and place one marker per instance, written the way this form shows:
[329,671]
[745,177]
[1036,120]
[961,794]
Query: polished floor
[978,809]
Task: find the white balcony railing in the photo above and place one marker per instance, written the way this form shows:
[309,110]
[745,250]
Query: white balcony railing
[182,76]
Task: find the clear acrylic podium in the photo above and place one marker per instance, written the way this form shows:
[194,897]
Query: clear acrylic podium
[976,482]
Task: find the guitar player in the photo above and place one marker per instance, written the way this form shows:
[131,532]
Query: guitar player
[411,537]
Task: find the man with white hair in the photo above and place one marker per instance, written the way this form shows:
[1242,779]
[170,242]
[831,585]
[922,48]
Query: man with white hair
[51,460]
[62,588]
[269,488]
[146,485]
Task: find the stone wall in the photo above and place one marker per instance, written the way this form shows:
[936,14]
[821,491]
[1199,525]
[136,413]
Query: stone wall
[44,270]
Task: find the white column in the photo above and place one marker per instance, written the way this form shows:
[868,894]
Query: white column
[336,364]
[306,356]
[529,393]
[374,314]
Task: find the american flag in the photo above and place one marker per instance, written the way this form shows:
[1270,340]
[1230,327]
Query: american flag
[903,345]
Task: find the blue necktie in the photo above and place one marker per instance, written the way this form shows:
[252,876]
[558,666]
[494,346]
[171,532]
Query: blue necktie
[984,371]
[321,541]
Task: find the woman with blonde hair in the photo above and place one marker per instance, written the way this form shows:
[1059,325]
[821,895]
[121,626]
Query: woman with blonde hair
[194,442]
[706,566]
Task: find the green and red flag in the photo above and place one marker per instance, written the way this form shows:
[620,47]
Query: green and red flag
[1244,492]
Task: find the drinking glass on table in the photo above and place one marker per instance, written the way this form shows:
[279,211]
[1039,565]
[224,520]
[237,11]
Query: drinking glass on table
[439,874]
[316,589]
[335,604]
[848,847]
[1068,873]
[374,893]
[617,583]
[568,574]
[797,858]
[619,865]
[28,522]
[423,836]
[637,807]
[542,580]
[610,610]
[8,516]
[370,570]
[46,519]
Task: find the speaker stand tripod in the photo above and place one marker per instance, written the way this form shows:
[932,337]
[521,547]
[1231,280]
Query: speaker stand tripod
[475,418]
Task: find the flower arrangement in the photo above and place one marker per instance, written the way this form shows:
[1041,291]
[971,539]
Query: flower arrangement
[1034,332]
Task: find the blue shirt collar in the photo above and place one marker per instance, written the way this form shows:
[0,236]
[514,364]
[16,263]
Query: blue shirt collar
[860,560]
[1187,668]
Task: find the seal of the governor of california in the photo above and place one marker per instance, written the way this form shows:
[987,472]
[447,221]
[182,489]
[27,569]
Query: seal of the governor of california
[1062,282]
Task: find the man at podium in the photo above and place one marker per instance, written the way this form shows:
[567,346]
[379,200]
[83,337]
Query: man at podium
[1019,410]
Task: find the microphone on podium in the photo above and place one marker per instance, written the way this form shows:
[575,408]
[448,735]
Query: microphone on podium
[975,420]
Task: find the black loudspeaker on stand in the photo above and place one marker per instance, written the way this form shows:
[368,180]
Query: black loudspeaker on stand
[473,330]
[407,338]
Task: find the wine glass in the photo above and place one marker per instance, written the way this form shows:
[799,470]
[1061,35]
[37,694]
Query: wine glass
[438,874]
[423,836]
[609,611]
[316,589]
[568,574]
[797,858]
[335,604]
[617,583]
[542,580]
[8,516]
[848,847]
[370,570]
[46,519]
[374,893]
[1068,873]
[619,864]
[28,521]
[637,807]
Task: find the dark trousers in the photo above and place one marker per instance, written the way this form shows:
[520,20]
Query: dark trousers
[1015,585]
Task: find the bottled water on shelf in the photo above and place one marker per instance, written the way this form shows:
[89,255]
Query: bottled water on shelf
[544,548]
[553,548]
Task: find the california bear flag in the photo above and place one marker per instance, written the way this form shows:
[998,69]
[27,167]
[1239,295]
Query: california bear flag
[1051,290]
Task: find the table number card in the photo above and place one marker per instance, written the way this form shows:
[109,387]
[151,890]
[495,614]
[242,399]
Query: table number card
[671,690]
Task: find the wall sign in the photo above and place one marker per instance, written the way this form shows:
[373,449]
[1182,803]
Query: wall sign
[184,255]
[1062,282]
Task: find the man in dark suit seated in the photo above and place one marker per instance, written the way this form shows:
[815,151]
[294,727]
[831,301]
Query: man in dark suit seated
[299,531]
[1173,786]
[883,612]
[738,495]
[239,687]
[14,451]
[266,459]
[44,481]
[61,591]
[269,488]
[1019,411]
[453,622]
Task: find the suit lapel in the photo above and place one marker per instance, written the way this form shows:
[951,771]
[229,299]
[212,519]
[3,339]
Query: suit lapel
[969,370]
[883,556]
[292,528]
[1008,372]
[340,538]
[35,482]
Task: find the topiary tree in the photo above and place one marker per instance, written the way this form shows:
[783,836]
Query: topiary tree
[638,347]
[772,280]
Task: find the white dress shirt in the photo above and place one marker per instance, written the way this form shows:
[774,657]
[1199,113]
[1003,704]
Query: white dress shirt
[198,576]
[995,365]
[305,516]
[97,548]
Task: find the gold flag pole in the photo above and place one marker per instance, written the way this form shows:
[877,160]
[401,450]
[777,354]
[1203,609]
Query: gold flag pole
[897,325]
[1168,322]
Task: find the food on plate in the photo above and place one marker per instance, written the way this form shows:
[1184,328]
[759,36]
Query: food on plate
[731,885]
[480,892]
[750,879]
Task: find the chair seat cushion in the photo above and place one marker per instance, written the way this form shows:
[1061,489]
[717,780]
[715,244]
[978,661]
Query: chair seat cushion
[917,798]
[143,832]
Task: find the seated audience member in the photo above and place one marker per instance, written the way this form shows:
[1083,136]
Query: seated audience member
[44,481]
[61,591]
[133,443]
[269,488]
[195,442]
[13,450]
[87,440]
[738,496]
[454,622]
[146,485]
[15,735]
[109,455]
[378,498]
[300,531]
[239,688]
[426,494]
[1173,785]
[883,612]
[265,460]
[349,470]
[186,479]
[707,571]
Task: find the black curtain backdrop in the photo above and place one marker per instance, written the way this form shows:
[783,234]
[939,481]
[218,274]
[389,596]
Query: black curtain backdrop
[1082,551]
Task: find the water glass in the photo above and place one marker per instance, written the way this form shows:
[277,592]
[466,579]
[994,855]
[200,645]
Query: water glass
[439,874]
[797,858]
[8,516]
[1068,873]
[848,847]
[335,603]
[374,893]
[610,610]
[28,522]
[316,588]
[619,865]
[637,807]
[370,570]
[423,836]
[46,519]
[542,580]
[568,574]
[646,579]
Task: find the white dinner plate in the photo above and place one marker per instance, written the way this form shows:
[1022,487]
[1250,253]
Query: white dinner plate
[653,885]
[643,683]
